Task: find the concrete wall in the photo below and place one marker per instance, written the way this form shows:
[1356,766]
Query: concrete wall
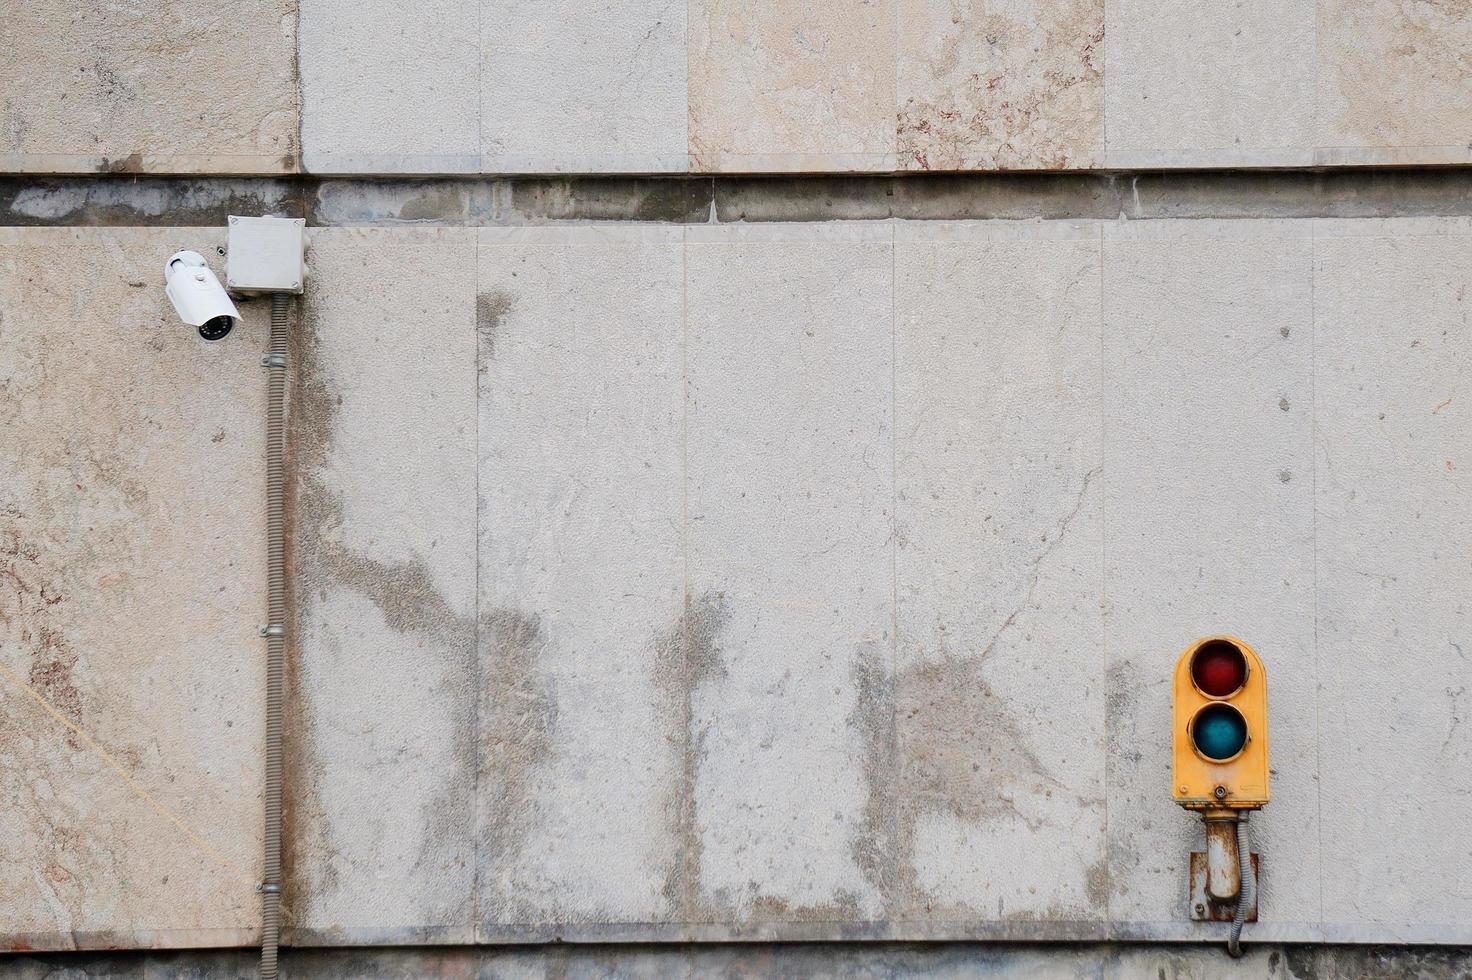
[663,86]
[689,546]
[739,581]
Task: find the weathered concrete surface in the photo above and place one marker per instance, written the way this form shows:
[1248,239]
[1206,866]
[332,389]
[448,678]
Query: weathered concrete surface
[998,575]
[383,92]
[1000,86]
[1209,528]
[788,85]
[382,735]
[1392,362]
[135,87]
[568,86]
[875,961]
[468,86]
[1229,84]
[131,200]
[790,490]
[491,201]
[583,626]
[824,580]
[131,586]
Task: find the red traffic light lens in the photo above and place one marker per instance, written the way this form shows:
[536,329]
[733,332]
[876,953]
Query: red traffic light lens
[1218,669]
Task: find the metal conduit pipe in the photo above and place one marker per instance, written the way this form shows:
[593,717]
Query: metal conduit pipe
[1247,896]
[275,630]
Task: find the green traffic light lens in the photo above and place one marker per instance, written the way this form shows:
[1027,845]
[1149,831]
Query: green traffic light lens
[1219,732]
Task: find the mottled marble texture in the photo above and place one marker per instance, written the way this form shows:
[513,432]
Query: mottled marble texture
[1396,74]
[135,87]
[791,85]
[1000,86]
[132,577]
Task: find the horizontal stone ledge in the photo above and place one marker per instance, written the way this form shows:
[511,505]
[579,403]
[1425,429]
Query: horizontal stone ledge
[675,934]
[112,200]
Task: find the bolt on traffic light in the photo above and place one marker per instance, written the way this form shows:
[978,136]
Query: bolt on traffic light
[1220,730]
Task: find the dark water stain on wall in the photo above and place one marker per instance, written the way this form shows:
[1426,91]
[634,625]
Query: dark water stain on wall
[961,754]
[939,740]
[490,309]
[408,599]
[519,724]
[876,847]
[686,656]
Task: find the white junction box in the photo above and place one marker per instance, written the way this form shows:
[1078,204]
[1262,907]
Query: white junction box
[266,255]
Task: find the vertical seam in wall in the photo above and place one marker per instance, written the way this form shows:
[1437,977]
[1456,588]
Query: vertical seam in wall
[1313,415]
[1103,117]
[475,829]
[1104,590]
[480,122]
[301,102]
[684,421]
[682,910]
[894,572]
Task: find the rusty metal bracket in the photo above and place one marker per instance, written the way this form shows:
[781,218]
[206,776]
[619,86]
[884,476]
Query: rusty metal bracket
[1205,908]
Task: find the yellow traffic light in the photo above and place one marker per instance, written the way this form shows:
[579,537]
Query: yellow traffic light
[1220,730]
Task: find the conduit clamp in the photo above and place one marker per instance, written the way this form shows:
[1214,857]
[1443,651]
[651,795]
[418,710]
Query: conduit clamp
[273,360]
[275,629]
[266,888]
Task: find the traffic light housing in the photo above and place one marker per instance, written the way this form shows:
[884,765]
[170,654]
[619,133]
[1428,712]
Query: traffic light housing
[1220,726]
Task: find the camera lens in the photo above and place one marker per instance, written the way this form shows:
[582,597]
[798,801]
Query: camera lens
[216,328]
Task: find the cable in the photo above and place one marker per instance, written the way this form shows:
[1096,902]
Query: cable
[1247,891]
[275,630]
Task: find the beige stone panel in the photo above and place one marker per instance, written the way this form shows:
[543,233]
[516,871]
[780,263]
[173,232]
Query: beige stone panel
[139,87]
[1209,84]
[1209,528]
[1000,677]
[584,638]
[1396,74]
[791,86]
[382,723]
[1393,386]
[1000,84]
[790,553]
[132,554]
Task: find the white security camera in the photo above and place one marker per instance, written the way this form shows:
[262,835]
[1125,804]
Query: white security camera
[197,295]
